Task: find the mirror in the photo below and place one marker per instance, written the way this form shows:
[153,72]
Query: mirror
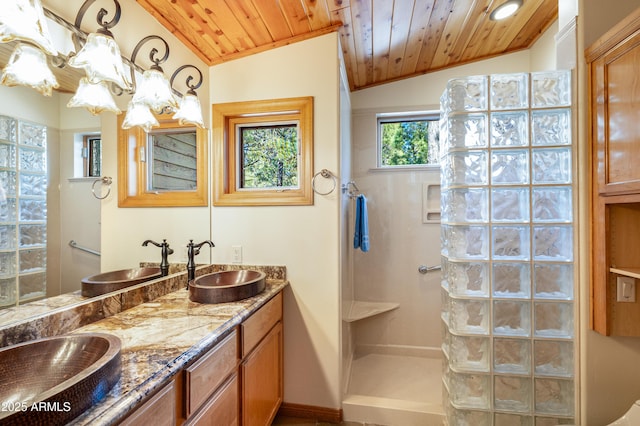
[42,234]
[165,167]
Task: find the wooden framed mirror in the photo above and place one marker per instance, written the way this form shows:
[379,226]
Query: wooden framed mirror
[165,167]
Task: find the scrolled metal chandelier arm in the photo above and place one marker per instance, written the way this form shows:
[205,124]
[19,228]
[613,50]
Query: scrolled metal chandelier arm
[192,87]
[105,26]
[152,56]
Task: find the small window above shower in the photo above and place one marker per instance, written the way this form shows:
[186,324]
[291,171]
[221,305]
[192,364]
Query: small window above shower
[408,139]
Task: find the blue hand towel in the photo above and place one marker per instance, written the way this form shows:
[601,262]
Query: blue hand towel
[361,233]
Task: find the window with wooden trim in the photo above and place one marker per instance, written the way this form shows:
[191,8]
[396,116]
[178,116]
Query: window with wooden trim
[263,152]
[164,167]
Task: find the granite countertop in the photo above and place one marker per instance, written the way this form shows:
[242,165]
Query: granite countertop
[160,338]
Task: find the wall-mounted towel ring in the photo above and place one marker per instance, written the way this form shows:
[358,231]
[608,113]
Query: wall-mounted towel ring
[105,180]
[325,174]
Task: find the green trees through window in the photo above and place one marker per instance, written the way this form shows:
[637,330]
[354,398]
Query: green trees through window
[269,156]
[409,141]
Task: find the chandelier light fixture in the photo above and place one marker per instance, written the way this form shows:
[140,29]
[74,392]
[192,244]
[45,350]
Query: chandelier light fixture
[99,56]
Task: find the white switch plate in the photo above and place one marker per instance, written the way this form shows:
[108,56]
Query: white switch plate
[236,254]
[626,291]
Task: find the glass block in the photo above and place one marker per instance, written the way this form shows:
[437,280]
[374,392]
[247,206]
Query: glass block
[468,279]
[468,242]
[469,168]
[511,280]
[470,353]
[504,419]
[510,205]
[470,418]
[32,286]
[33,184]
[8,210]
[509,129]
[551,127]
[553,319]
[469,316]
[552,165]
[553,243]
[7,291]
[553,421]
[32,210]
[467,94]
[32,260]
[445,305]
[465,205]
[554,396]
[510,242]
[7,237]
[551,88]
[33,134]
[7,129]
[552,204]
[32,160]
[7,264]
[512,393]
[553,358]
[467,131]
[33,235]
[8,182]
[446,341]
[512,355]
[470,390]
[509,91]
[553,281]
[510,167]
[7,155]
[511,318]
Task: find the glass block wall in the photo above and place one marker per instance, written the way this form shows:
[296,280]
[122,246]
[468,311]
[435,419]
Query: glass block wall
[23,211]
[507,250]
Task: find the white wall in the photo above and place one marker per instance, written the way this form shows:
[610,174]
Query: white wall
[304,238]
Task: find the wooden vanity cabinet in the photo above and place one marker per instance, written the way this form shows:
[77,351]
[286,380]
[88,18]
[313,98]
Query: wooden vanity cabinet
[614,117]
[237,382]
[261,370]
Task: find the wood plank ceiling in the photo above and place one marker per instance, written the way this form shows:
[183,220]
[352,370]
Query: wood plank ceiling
[382,40]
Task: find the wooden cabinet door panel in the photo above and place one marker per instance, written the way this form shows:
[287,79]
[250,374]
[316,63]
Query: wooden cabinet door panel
[262,387]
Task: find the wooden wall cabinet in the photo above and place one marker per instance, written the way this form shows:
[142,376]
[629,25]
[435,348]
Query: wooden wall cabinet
[614,101]
[237,382]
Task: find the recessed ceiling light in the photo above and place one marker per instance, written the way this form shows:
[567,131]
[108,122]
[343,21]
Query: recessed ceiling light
[505,10]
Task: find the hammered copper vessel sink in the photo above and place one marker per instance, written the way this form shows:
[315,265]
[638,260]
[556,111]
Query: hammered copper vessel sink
[51,381]
[226,286]
[107,282]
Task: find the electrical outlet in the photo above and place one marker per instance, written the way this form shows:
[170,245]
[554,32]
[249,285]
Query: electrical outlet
[236,254]
[626,289]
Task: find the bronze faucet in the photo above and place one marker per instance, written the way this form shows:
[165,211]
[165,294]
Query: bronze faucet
[192,251]
[166,251]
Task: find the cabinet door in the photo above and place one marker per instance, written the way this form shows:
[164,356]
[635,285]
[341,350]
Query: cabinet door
[221,409]
[615,100]
[262,387]
[160,410]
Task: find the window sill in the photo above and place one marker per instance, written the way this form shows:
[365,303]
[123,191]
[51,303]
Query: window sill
[426,168]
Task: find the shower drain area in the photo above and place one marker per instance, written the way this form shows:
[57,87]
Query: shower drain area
[391,389]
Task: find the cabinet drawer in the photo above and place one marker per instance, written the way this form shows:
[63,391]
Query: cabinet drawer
[222,408]
[204,377]
[160,410]
[258,325]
